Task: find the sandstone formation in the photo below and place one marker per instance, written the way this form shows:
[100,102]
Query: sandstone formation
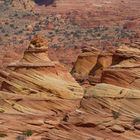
[38,70]
[125,70]
[90,65]
[107,111]
[39,98]
[36,88]
[120,67]
[85,62]
[112,105]
[49,104]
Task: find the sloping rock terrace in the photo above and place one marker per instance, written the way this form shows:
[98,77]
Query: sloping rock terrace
[34,89]
[40,99]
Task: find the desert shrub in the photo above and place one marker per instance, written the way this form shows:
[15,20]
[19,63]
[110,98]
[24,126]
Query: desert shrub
[136,120]
[27,132]
[55,46]
[21,137]
[2,135]
[6,35]
[115,114]
[77,34]
[3,31]
[16,14]
[116,44]
[12,25]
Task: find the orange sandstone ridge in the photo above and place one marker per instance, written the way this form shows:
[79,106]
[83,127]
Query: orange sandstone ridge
[40,100]
[37,69]
[36,87]
[120,68]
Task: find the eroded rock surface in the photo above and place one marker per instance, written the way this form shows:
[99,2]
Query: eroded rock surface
[36,74]
[49,104]
[34,90]
[125,71]
[40,98]
[120,67]
[111,107]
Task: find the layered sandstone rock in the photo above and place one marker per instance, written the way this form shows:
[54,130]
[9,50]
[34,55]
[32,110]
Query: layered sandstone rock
[90,65]
[119,68]
[125,71]
[104,61]
[37,92]
[37,75]
[113,105]
[84,64]
[106,111]
[45,99]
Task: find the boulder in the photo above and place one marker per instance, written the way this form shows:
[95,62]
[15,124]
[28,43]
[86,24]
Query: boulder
[137,126]
[118,129]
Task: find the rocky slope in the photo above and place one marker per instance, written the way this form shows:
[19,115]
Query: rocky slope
[39,99]
[37,88]
[101,24]
[111,109]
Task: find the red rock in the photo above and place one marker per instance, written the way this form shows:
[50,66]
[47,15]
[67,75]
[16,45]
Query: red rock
[125,72]
[118,129]
[137,126]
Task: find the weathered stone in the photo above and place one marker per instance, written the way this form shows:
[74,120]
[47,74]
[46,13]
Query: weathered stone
[37,74]
[125,70]
[137,126]
[101,127]
[127,126]
[118,129]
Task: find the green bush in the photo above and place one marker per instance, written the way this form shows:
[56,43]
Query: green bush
[115,114]
[27,133]
[136,120]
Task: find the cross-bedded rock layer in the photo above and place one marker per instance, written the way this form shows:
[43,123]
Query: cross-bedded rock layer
[34,89]
[120,67]
[40,97]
